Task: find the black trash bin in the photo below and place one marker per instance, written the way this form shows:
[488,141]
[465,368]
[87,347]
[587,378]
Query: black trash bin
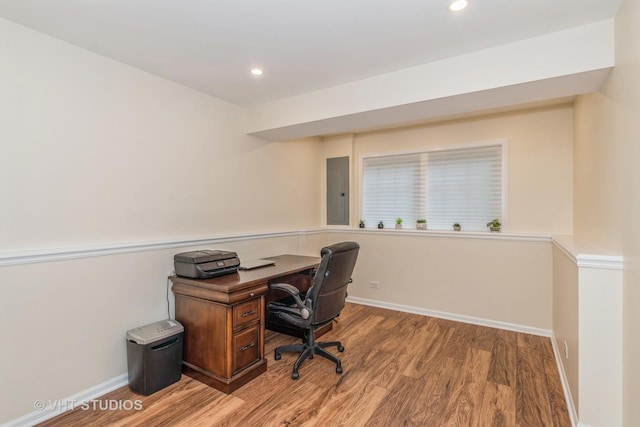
[154,356]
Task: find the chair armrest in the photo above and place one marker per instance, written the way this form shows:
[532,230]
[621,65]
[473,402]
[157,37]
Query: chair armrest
[305,311]
[290,289]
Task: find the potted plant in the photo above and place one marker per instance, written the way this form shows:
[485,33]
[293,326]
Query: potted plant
[398,223]
[381,225]
[456,227]
[421,224]
[361,225]
[494,225]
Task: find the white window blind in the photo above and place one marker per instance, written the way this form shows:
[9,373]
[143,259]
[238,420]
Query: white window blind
[393,187]
[462,185]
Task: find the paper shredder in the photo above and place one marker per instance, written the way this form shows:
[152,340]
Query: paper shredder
[154,356]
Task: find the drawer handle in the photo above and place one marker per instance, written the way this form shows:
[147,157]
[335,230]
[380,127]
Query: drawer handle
[248,346]
[248,313]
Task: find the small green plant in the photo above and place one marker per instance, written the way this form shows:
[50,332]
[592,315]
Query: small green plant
[398,221]
[495,223]
[456,226]
[362,223]
[421,221]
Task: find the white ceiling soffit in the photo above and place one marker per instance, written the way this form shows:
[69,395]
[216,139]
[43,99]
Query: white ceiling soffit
[526,95]
[556,65]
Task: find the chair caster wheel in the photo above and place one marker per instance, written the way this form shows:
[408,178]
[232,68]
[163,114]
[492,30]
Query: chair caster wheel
[295,375]
[340,348]
[277,355]
[338,369]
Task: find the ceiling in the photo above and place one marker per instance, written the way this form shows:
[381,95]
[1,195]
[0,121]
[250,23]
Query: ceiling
[302,45]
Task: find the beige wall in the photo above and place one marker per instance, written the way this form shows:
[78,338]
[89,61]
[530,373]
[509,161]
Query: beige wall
[540,158]
[565,317]
[501,280]
[96,153]
[607,202]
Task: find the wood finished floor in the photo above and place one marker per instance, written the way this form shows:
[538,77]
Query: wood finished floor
[400,369]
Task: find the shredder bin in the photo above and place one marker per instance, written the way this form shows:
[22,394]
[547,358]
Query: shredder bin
[154,356]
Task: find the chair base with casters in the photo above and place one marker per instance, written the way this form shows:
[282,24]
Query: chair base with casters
[307,350]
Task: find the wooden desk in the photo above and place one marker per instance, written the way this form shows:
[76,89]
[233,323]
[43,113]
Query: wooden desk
[224,320]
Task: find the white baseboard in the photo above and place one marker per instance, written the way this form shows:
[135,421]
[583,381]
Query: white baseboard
[451,316]
[53,409]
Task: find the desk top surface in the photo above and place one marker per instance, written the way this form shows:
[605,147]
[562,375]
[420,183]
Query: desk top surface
[285,264]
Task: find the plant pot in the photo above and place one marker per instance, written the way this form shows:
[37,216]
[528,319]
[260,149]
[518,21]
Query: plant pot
[380,225]
[496,229]
[398,226]
[361,225]
[457,228]
[421,226]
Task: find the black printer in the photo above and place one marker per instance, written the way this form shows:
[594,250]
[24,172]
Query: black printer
[205,263]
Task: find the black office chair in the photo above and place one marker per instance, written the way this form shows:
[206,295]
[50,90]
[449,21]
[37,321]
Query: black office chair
[322,304]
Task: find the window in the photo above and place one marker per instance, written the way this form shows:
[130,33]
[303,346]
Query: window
[463,184]
[393,186]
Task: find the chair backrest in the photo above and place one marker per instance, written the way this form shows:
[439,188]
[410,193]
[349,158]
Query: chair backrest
[329,290]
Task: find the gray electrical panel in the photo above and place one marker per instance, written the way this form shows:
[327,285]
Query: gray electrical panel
[338,191]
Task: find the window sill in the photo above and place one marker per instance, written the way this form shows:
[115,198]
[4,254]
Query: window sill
[487,235]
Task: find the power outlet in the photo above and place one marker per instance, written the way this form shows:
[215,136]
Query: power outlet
[374,285]
[566,350]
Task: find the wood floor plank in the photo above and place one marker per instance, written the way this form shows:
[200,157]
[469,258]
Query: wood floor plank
[363,400]
[498,406]
[502,369]
[460,341]
[296,405]
[559,410]
[401,403]
[464,406]
[400,369]
[436,394]
[208,411]
[532,396]
[531,342]
[483,338]
[429,347]
[215,413]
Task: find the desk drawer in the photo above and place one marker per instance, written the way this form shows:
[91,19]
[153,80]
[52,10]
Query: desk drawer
[246,346]
[246,312]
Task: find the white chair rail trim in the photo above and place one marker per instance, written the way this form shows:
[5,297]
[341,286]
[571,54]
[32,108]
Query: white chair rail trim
[66,253]
[586,254]
[75,252]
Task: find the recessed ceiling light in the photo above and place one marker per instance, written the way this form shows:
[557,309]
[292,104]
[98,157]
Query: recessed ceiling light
[458,5]
[256,71]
